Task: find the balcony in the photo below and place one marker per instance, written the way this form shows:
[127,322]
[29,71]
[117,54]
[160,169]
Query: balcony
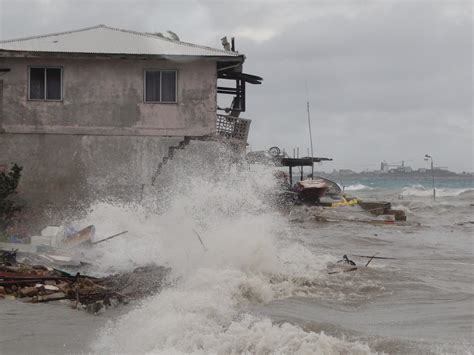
[234,128]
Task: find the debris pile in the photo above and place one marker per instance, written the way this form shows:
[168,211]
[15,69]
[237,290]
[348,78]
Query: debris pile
[375,213]
[38,283]
[383,209]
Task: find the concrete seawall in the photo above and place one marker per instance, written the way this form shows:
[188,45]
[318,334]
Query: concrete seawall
[67,169]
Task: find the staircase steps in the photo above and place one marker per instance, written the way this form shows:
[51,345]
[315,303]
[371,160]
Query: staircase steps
[170,156]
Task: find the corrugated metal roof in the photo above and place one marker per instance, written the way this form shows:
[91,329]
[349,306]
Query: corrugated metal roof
[102,39]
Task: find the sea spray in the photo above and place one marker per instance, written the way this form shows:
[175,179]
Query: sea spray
[250,259]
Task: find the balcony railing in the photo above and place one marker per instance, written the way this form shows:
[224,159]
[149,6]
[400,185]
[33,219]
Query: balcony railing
[233,127]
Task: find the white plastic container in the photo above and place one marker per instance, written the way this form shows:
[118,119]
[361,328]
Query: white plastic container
[38,240]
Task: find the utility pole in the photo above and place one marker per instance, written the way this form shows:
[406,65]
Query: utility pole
[432,174]
[310,133]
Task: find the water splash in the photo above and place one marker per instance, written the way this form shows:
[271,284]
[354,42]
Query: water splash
[249,259]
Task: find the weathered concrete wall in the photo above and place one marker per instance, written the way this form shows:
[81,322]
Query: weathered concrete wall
[106,96]
[73,169]
[1,105]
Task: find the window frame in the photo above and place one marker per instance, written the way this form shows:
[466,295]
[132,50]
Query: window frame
[45,67]
[161,88]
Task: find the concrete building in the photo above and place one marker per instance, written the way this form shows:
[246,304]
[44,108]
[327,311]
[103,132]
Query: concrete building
[96,110]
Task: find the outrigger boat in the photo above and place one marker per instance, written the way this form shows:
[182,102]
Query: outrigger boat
[310,190]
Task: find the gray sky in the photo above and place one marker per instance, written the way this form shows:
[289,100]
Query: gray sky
[387,80]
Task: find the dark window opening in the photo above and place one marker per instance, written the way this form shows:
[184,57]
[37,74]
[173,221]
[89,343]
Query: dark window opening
[168,86]
[160,86]
[153,86]
[45,84]
[53,84]
[37,84]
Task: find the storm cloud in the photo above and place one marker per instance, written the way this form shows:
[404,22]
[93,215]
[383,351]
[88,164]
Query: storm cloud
[387,80]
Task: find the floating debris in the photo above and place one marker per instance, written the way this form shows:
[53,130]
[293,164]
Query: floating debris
[108,238]
[346,260]
[343,265]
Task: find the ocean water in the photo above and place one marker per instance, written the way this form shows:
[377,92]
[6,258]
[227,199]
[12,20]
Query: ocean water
[421,183]
[260,283]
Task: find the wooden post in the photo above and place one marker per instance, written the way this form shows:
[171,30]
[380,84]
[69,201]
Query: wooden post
[291,175]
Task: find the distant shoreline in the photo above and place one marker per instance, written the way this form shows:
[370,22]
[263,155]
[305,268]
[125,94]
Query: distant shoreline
[398,175]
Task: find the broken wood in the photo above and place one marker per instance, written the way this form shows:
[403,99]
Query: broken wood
[47,298]
[368,221]
[372,258]
[199,237]
[20,282]
[338,272]
[23,276]
[108,238]
[375,208]
[83,236]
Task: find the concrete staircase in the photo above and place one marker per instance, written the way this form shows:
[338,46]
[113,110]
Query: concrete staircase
[169,157]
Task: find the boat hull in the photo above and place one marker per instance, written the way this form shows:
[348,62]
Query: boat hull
[311,190]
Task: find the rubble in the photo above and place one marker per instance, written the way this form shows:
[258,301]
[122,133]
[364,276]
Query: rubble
[33,282]
[384,209]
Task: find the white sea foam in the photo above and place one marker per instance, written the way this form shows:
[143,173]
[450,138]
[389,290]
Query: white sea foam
[201,316]
[248,259]
[357,187]
[421,191]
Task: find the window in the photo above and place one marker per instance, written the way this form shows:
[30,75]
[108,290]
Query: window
[160,85]
[45,83]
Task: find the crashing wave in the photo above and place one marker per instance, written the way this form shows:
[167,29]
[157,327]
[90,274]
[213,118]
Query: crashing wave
[247,257]
[421,191]
[357,187]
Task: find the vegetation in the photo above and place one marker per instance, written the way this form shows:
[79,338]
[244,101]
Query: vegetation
[8,184]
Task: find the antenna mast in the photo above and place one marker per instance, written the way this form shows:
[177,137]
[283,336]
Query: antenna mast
[310,134]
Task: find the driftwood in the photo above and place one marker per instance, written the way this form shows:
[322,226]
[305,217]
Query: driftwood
[108,238]
[338,272]
[57,296]
[374,257]
[368,221]
[199,237]
[22,276]
[345,261]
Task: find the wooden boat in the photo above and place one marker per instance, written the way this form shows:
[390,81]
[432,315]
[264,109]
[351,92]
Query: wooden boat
[334,190]
[311,190]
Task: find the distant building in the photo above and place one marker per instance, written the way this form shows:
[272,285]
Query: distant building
[395,168]
[346,172]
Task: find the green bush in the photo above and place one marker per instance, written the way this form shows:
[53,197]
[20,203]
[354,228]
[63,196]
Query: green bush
[8,184]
